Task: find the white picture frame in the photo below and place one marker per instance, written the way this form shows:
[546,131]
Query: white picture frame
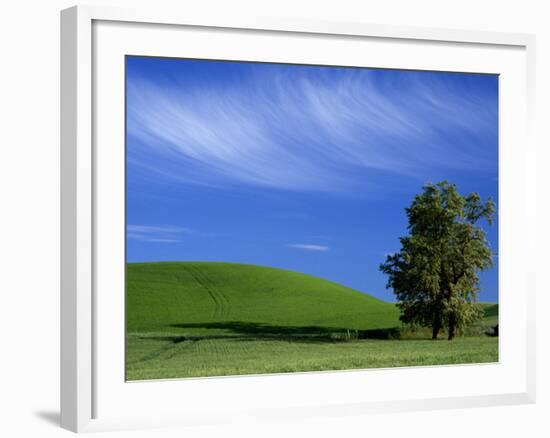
[87,354]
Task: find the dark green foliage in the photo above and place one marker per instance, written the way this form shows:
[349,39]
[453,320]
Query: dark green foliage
[385,333]
[492,331]
[435,274]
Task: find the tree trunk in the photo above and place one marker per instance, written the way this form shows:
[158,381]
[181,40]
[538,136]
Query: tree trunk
[435,329]
[452,329]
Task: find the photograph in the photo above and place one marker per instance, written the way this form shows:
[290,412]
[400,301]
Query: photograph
[285,218]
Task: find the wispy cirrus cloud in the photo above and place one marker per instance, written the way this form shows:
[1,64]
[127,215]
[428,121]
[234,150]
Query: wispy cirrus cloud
[308,129]
[145,238]
[162,229]
[156,233]
[309,247]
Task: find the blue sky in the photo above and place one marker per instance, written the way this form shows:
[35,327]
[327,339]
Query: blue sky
[306,168]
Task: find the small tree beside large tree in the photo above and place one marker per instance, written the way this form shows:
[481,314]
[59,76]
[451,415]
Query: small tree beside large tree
[435,274]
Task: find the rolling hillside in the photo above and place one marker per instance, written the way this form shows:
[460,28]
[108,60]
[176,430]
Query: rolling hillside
[194,319]
[161,295]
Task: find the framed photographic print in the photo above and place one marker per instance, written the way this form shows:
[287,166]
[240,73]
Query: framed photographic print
[283,217]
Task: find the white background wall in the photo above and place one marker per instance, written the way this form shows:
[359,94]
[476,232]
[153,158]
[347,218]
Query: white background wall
[29,216]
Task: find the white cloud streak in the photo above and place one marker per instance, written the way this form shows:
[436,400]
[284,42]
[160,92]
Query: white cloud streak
[163,229]
[305,131]
[156,233]
[144,238]
[309,247]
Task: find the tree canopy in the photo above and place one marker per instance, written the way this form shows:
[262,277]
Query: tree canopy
[435,274]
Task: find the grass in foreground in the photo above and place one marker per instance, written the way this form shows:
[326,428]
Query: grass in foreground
[154,357]
[195,319]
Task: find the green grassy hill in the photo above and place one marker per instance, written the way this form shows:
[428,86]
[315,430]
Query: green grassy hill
[188,319]
[161,295]
[490,313]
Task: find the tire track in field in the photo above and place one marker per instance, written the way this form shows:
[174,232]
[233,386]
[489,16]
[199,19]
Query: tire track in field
[224,306]
[166,350]
[221,303]
[213,296]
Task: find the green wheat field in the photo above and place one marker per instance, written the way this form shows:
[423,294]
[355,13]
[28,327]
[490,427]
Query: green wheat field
[197,319]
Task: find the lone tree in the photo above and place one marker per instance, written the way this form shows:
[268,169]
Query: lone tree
[435,274]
